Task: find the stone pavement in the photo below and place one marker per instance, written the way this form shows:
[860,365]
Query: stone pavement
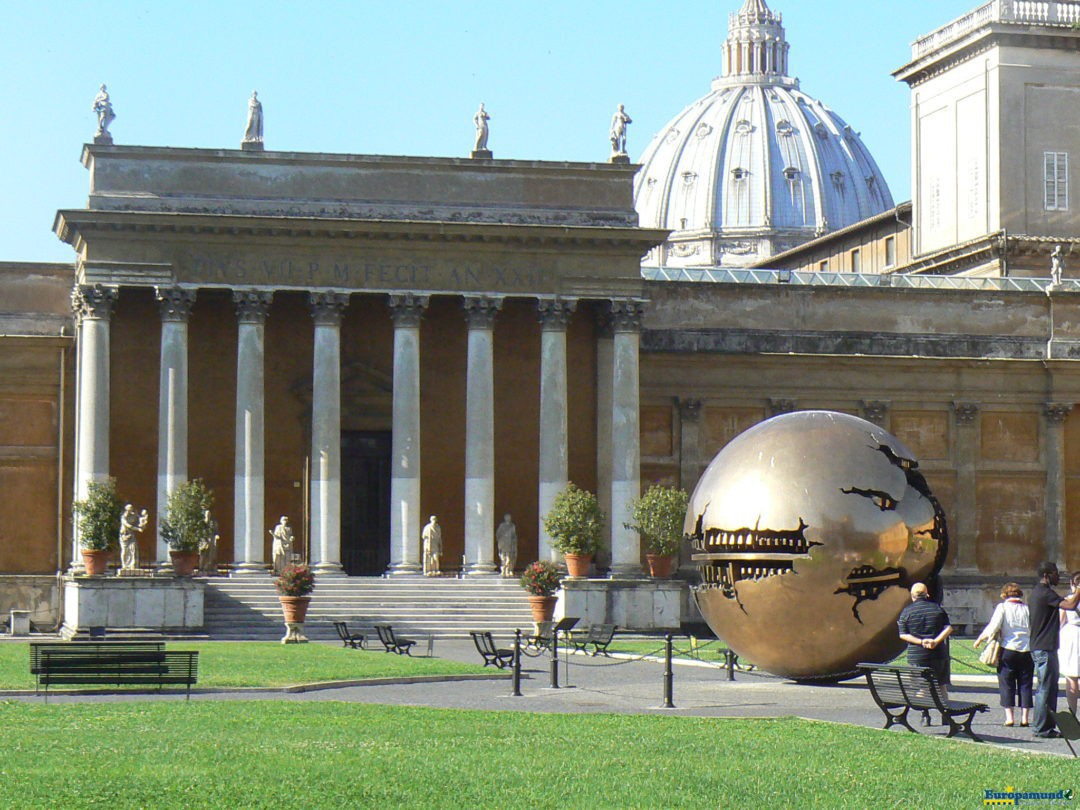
[629,686]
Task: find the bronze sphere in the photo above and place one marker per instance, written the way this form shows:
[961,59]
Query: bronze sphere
[808,529]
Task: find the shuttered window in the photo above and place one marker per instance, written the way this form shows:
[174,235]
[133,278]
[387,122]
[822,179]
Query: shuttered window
[1056,177]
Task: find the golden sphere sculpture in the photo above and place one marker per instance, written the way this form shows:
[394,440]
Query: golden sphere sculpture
[808,530]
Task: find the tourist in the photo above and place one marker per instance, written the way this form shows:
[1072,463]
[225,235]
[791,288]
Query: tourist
[1015,670]
[1069,649]
[924,625]
[1044,604]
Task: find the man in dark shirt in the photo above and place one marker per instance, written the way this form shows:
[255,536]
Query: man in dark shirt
[924,625]
[1043,604]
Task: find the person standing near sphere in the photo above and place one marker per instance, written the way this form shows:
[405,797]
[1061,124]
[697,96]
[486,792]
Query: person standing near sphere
[1069,648]
[1015,669]
[924,625]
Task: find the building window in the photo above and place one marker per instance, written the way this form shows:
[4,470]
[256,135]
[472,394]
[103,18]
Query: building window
[856,261]
[890,251]
[823,267]
[1056,179]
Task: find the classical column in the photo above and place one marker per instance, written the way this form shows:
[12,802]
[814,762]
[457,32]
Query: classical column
[93,306]
[876,411]
[251,309]
[172,461]
[326,310]
[406,522]
[480,437]
[1056,413]
[689,456]
[964,526]
[604,375]
[554,316]
[625,436]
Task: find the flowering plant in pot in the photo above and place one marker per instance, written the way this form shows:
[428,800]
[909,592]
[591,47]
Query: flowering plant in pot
[99,524]
[658,517]
[576,525]
[294,586]
[185,526]
[541,580]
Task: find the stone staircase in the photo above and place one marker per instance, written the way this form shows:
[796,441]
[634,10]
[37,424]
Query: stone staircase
[248,608]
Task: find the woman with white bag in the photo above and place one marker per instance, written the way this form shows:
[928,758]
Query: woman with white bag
[1069,649]
[1009,627]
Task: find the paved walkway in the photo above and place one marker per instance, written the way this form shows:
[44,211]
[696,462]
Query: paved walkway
[632,686]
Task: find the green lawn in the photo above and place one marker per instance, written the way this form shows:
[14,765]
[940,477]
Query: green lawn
[255,663]
[965,659]
[316,754]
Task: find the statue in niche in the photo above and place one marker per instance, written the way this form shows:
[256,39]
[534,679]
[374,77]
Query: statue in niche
[506,543]
[619,122]
[481,121]
[105,115]
[283,543]
[1057,265]
[432,537]
[254,131]
[131,523]
[208,546]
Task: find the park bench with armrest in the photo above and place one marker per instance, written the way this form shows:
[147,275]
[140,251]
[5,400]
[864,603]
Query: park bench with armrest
[354,640]
[599,636]
[897,690]
[491,654]
[394,643]
[113,663]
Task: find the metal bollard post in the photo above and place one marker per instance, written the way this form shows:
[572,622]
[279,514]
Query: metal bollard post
[516,680]
[729,656]
[554,659]
[669,676]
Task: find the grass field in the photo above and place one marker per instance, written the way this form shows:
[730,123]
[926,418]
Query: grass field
[328,754]
[254,663]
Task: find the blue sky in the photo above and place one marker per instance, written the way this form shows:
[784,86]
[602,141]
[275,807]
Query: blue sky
[374,77]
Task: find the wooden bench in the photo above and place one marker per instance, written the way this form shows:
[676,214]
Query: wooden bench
[354,640]
[491,654]
[897,690]
[113,663]
[393,643]
[598,635]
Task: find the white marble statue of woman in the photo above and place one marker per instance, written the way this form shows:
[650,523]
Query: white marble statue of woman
[105,115]
[283,543]
[131,523]
[481,121]
[254,131]
[1057,265]
[506,542]
[618,131]
[432,537]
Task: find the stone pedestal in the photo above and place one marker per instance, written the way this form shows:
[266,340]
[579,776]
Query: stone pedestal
[164,604]
[20,622]
[483,154]
[631,604]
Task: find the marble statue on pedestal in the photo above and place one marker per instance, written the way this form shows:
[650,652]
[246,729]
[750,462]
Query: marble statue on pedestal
[619,122]
[481,121]
[208,546]
[131,523]
[506,542]
[253,134]
[1057,265]
[432,537]
[105,115]
[283,543]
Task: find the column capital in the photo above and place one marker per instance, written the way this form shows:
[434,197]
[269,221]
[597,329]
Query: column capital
[626,314]
[779,406]
[603,323]
[327,307]
[1057,412]
[175,303]
[480,310]
[93,301]
[875,410]
[966,412]
[252,306]
[407,309]
[689,409]
[554,313]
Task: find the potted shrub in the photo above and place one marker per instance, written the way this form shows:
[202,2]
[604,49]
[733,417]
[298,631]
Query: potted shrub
[658,517]
[99,524]
[185,527]
[541,580]
[294,586]
[576,525]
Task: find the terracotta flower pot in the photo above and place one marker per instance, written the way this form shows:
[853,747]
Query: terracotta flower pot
[184,562]
[294,608]
[543,607]
[577,565]
[659,565]
[95,562]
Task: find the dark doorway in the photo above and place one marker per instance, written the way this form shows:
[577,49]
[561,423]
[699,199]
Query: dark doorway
[365,502]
